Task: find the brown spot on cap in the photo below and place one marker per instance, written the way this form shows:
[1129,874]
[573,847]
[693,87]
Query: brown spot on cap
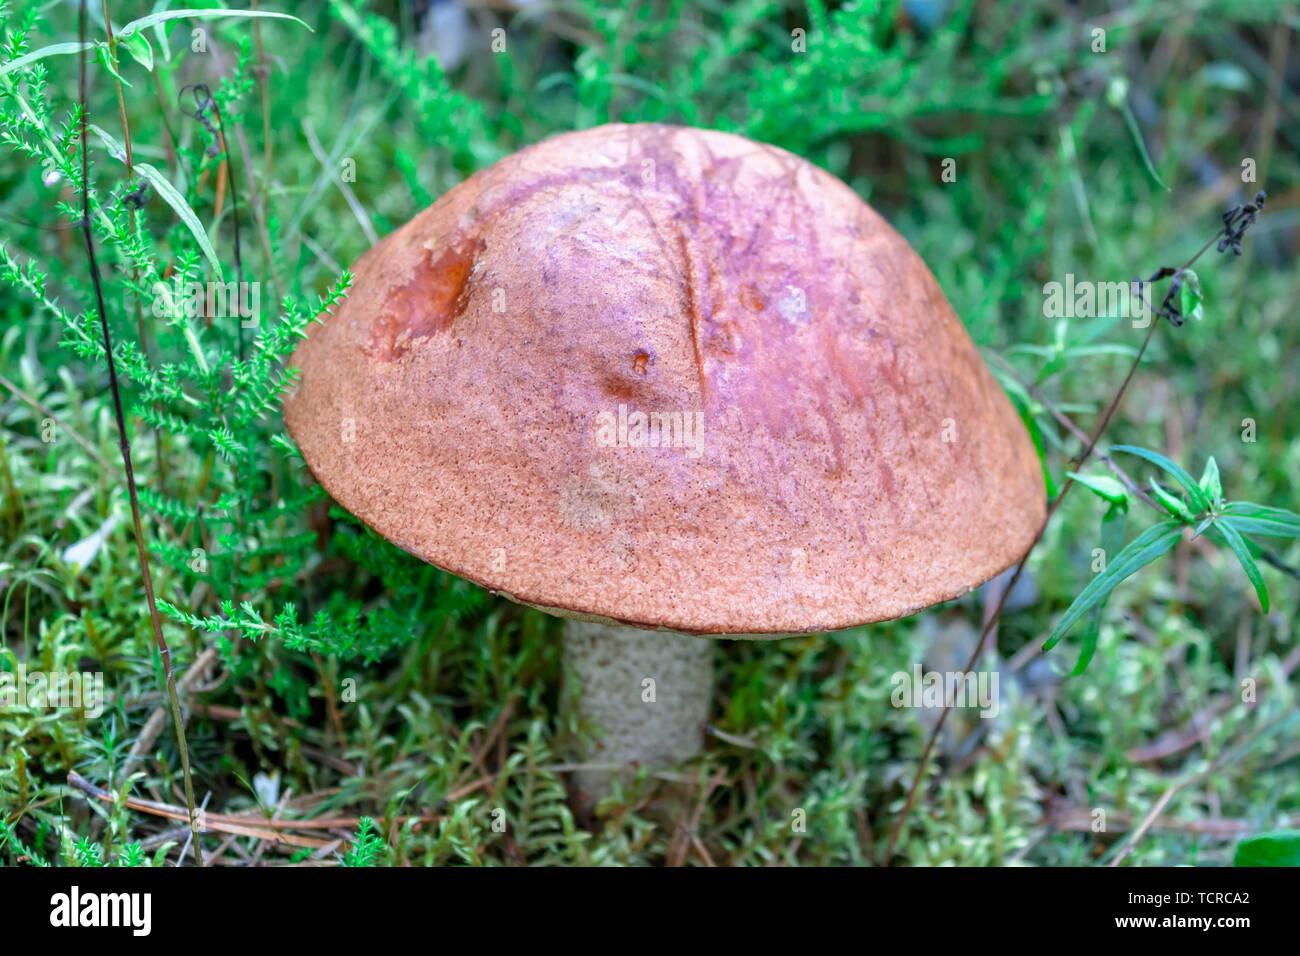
[751,300]
[429,301]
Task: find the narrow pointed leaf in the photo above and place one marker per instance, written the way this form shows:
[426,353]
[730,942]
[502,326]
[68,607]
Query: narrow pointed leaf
[1210,482]
[1251,518]
[1194,492]
[1238,545]
[163,186]
[1104,486]
[1171,504]
[165,15]
[1112,542]
[54,49]
[1151,544]
[106,58]
[137,44]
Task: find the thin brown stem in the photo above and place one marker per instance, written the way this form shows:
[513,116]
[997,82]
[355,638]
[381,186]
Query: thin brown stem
[124,441]
[1068,424]
[130,218]
[262,73]
[993,618]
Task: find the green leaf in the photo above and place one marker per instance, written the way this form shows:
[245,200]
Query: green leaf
[1171,504]
[162,185]
[160,33]
[137,44]
[173,198]
[1036,435]
[1118,98]
[287,446]
[1088,647]
[1189,296]
[160,854]
[1054,365]
[1275,848]
[1086,351]
[136,25]
[1112,530]
[1112,540]
[1151,544]
[1210,483]
[1193,490]
[1238,545]
[1106,487]
[1251,518]
[54,49]
[106,57]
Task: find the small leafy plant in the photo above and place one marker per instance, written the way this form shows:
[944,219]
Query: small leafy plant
[367,845]
[1200,507]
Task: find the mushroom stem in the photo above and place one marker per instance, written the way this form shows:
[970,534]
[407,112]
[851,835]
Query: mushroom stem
[646,693]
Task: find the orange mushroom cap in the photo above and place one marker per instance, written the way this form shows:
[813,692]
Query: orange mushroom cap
[672,378]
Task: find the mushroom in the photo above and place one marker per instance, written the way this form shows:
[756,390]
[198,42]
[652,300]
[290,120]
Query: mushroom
[667,383]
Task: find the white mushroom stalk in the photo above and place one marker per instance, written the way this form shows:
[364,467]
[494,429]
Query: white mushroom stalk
[644,695]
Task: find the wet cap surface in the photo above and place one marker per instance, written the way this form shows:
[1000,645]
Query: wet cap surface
[673,378]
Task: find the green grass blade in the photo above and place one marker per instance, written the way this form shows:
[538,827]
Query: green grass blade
[54,49]
[165,15]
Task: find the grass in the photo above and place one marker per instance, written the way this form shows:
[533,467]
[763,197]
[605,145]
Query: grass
[328,677]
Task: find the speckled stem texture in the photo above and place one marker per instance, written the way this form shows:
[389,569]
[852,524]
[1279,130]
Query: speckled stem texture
[654,725]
